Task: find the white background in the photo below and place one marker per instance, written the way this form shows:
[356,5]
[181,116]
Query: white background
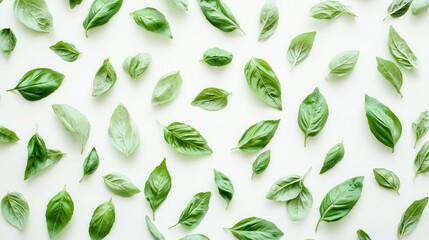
[378,212]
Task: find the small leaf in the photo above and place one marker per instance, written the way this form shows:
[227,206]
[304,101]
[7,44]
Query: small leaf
[195,210]
[257,136]
[211,99]
[400,50]
[217,57]
[104,79]
[255,228]
[224,186]
[334,156]
[100,13]
[167,88]
[287,188]
[421,126]
[39,83]
[34,14]
[330,9]
[299,207]
[411,217]
[219,15]
[120,185]
[261,162]
[7,135]
[182,4]
[152,20]
[59,212]
[135,66]
[154,232]
[391,73]
[74,3]
[268,20]
[419,6]
[343,64]
[387,179]
[300,48]
[7,41]
[398,8]
[102,220]
[362,235]
[195,237]
[15,210]
[90,164]
[186,139]
[421,162]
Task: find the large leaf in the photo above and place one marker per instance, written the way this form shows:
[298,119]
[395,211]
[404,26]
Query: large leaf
[400,50]
[411,217]
[268,20]
[300,47]
[152,20]
[219,15]
[167,88]
[254,228]
[59,212]
[34,14]
[123,132]
[100,13]
[102,220]
[195,211]
[186,139]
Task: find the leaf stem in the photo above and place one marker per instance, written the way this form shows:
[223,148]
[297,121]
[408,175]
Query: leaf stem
[306,173]
[160,124]
[305,140]
[173,226]
[81,178]
[253,174]
[153,215]
[317,225]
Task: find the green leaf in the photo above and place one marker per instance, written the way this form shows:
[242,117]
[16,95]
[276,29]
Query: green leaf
[387,179]
[419,6]
[135,66]
[91,163]
[390,72]
[73,121]
[167,88]
[400,50]
[186,139]
[34,14]
[313,114]
[287,188]
[300,48]
[219,15]
[211,99]
[268,20]
[362,235]
[398,8]
[182,4]
[7,41]
[67,51]
[217,57]
[104,79]
[261,162]
[224,186]
[330,9]
[7,135]
[195,237]
[255,228]
[152,20]
[195,210]
[59,212]
[421,126]
[257,136]
[154,232]
[343,64]
[157,186]
[123,132]
[334,156]
[102,220]
[39,83]
[411,217]
[15,209]
[421,162]
[263,81]
[120,185]
[299,207]
[382,122]
[100,13]
[74,3]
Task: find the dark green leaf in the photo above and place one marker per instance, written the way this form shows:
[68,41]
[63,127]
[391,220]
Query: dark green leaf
[411,217]
[334,156]
[387,179]
[261,162]
[74,3]
[152,20]
[7,135]
[398,8]
[104,79]
[90,164]
[217,57]
[268,20]
[219,15]
[343,64]
[391,73]
[154,232]
[34,14]
[400,50]
[362,235]
[330,9]
[100,13]
[7,41]
[421,162]
[254,228]
[257,136]
[102,220]
[300,48]
[299,207]
[186,139]
[67,51]
[59,212]
[224,186]
[211,99]
[15,209]
[421,126]
[167,88]
[120,185]
[135,66]
[195,210]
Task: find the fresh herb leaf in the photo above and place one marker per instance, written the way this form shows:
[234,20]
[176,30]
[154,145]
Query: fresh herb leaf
[154,232]
[224,186]
[421,162]
[186,139]
[136,65]
[411,217]
[390,72]
[330,9]
[257,136]
[343,64]
[300,48]
[7,41]
[102,220]
[182,4]
[91,163]
[299,207]
[255,228]
[120,185]
[100,13]
[34,14]
[362,235]
[400,50]
[261,162]
[195,237]
[167,88]
[286,188]
[59,212]
[104,79]
[421,126]
[419,6]
[334,156]
[15,209]
[387,179]
[268,20]
[152,20]
[7,135]
[219,15]
[211,99]
[74,3]
[67,51]
[217,57]
[398,8]
[195,210]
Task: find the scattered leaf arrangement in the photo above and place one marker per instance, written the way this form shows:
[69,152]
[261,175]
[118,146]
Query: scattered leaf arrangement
[123,132]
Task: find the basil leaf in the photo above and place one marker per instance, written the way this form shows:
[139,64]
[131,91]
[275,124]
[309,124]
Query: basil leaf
[73,121]
[340,200]
[400,50]
[135,66]
[411,217]
[421,162]
[54,156]
[217,57]
[255,228]
[7,41]
[398,8]
[421,126]
[123,132]
[39,83]
[59,212]
[391,73]
[257,136]
[343,64]
[268,20]
[90,164]
[104,79]
[330,9]
[382,122]
[334,156]
[264,83]
[34,14]
[211,99]
[195,210]
[182,4]
[387,179]
[195,237]
[102,220]
[167,88]
[157,186]
[224,186]
[419,6]
[219,15]
[100,13]
[362,235]
[152,20]
[154,232]
[15,209]
[7,135]
[299,207]
[313,114]
[300,48]
[287,188]
[120,185]
[186,139]
[74,3]
[67,51]
[261,162]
